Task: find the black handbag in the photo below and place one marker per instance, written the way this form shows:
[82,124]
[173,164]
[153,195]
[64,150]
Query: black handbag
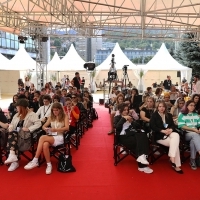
[65,164]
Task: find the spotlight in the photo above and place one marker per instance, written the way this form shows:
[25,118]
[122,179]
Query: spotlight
[21,41]
[44,39]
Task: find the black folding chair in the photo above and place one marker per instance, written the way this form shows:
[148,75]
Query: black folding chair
[64,148]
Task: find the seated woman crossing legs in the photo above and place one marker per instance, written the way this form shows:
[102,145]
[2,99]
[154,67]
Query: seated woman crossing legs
[59,124]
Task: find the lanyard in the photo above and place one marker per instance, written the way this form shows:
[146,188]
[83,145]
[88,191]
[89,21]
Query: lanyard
[46,110]
[69,113]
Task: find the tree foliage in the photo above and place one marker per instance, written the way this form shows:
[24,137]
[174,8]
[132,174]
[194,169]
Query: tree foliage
[142,60]
[188,53]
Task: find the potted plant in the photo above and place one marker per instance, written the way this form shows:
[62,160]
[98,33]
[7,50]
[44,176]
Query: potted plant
[29,75]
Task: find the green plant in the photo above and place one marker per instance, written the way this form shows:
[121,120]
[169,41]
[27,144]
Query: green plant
[29,75]
[141,74]
[53,77]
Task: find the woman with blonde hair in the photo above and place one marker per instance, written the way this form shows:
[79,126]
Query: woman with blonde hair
[59,123]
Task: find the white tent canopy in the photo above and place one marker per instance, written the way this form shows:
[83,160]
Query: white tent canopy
[54,63]
[120,60]
[22,61]
[164,61]
[4,62]
[71,61]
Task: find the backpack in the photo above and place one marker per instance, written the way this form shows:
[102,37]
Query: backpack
[94,114]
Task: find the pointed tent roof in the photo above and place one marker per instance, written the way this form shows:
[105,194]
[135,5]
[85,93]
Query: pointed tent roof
[54,63]
[120,60]
[164,61]
[71,61]
[22,61]
[4,62]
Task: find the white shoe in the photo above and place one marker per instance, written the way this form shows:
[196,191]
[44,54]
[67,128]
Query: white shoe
[13,166]
[49,169]
[31,165]
[11,158]
[121,149]
[143,159]
[146,170]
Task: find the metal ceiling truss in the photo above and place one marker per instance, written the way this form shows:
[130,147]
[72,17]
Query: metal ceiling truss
[139,19]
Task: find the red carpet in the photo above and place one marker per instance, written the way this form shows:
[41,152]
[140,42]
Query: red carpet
[97,177]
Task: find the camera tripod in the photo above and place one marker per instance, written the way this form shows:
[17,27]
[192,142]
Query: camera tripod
[125,77]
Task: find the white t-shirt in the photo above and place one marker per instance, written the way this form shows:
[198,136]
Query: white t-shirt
[44,111]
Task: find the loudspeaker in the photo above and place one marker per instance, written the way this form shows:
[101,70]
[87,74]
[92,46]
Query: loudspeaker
[101,101]
[178,74]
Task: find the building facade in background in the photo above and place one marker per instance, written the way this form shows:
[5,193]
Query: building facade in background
[9,45]
[102,54]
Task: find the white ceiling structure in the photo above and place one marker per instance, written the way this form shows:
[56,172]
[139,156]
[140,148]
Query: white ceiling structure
[145,19]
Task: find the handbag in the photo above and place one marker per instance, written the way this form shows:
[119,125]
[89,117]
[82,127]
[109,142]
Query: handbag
[65,163]
[24,140]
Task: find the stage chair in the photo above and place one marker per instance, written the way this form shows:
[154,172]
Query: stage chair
[2,148]
[156,147]
[184,146]
[35,135]
[63,148]
[120,151]
[75,137]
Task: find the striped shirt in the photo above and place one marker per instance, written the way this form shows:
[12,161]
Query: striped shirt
[190,120]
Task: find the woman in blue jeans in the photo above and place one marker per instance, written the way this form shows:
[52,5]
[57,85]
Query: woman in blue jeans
[189,121]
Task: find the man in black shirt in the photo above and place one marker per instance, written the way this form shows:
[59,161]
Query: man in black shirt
[167,83]
[76,81]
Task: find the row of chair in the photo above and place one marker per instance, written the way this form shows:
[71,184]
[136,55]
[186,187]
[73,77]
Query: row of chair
[84,122]
[156,150]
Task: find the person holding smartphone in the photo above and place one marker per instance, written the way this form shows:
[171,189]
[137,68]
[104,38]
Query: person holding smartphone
[59,123]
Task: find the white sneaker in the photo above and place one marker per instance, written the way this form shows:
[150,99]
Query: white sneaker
[11,158]
[31,165]
[143,159]
[13,166]
[121,149]
[49,169]
[146,170]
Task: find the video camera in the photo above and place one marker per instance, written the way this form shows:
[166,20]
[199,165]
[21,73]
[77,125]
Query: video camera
[90,66]
[113,59]
[124,68]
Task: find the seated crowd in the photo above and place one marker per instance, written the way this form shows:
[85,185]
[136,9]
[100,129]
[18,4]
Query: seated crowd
[54,111]
[162,117]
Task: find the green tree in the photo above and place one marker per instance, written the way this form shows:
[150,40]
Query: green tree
[57,43]
[188,53]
